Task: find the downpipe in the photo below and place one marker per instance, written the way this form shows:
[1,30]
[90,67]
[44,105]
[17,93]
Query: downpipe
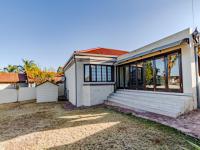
[197,74]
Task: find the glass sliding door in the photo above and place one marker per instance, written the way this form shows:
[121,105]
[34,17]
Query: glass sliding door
[127,77]
[149,74]
[174,78]
[160,73]
[140,75]
[133,76]
[121,77]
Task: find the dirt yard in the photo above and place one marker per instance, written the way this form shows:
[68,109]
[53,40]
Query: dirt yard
[50,126]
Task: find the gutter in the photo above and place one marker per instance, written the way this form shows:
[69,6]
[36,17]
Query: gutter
[196,41]
[75,78]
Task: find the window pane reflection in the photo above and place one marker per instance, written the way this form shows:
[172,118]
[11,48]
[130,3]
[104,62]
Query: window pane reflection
[160,72]
[104,74]
[126,76]
[133,75]
[87,73]
[121,72]
[149,74]
[173,72]
[93,69]
[98,73]
[140,75]
[109,73]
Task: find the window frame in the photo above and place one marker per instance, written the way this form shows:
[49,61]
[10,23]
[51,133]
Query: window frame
[90,73]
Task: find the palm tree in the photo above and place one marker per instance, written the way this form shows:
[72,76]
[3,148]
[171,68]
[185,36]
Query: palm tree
[12,68]
[60,70]
[28,64]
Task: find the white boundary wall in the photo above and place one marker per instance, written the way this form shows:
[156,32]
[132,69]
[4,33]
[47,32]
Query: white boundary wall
[26,93]
[8,96]
[14,95]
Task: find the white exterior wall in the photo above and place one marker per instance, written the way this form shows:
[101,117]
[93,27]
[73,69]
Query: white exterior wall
[71,84]
[8,96]
[47,92]
[26,93]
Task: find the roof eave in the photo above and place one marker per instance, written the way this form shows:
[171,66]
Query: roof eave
[167,46]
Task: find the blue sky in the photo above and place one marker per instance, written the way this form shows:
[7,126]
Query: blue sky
[48,31]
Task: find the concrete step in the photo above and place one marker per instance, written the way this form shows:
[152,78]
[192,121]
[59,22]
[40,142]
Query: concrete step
[150,94]
[144,108]
[169,104]
[148,99]
[148,107]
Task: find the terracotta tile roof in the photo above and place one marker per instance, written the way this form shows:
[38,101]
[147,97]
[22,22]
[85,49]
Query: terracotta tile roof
[103,51]
[12,77]
[56,79]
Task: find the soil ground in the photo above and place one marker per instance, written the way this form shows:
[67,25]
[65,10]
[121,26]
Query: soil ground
[51,126]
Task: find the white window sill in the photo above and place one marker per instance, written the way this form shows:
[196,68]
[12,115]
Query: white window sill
[98,83]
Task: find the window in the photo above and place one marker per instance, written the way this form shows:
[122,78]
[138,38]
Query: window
[104,73]
[87,72]
[98,73]
[173,71]
[121,76]
[133,76]
[149,74]
[126,76]
[140,75]
[93,70]
[109,72]
[160,72]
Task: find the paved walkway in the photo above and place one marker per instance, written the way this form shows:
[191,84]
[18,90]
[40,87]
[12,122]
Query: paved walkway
[188,123]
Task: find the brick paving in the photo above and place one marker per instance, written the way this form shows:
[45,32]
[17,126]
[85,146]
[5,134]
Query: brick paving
[188,123]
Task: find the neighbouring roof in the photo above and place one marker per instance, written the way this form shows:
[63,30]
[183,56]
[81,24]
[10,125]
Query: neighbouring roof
[12,77]
[46,82]
[103,51]
[57,78]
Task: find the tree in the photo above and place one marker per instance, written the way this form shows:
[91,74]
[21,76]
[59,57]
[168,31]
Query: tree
[28,64]
[149,72]
[171,63]
[12,68]
[60,70]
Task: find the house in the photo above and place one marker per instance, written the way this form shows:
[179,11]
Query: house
[161,77]
[47,92]
[90,75]
[12,80]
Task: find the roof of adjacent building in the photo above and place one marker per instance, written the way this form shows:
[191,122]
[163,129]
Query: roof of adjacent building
[12,77]
[47,81]
[103,51]
[57,78]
